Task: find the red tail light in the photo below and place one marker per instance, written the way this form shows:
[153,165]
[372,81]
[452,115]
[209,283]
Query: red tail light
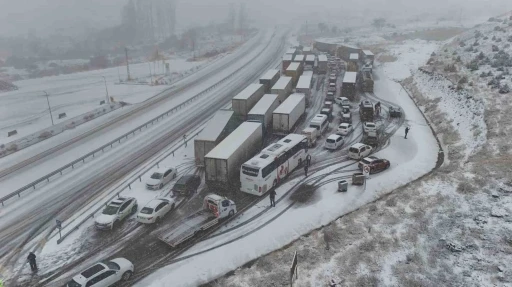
[259,189]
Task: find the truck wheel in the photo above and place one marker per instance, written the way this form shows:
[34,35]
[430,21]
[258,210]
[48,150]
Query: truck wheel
[174,176]
[114,225]
[231,213]
[127,275]
[161,186]
[157,220]
[300,161]
[173,206]
[134,209]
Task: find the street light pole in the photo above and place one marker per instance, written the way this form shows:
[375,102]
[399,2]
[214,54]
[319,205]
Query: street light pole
[49,108]
[106,89]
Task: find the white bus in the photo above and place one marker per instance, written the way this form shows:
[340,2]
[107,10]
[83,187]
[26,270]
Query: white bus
[267,169]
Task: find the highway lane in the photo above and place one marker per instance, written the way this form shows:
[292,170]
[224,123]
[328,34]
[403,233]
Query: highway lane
[34,163]
[108,174]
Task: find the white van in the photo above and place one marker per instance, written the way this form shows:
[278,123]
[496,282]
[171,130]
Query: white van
[359,151]
[311,134]
[319,122]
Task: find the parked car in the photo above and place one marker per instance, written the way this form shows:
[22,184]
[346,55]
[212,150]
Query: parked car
[155,210]
[187,184]
[369,127]
[346,115]
[342,101]
[344,129]
[103,274]
[359,151]
[333,142]
[327,112]
[395,112]
[330,96]
[376,164]
[115,212]
[328,104]
[161,177]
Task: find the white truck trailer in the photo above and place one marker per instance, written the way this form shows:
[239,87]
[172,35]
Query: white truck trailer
[269,79]
[215,209]
[286,116]
[214,132]
[294,71]
[246,99]
[222,164]
[304,85]
[262,111]
[322,64]
[282,88]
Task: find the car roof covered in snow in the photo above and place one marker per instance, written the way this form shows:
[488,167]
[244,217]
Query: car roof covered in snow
[345,125]
[282,83]
[350,77]
[215,126]
[233,141]
[333,136]
[155,202]
[358,145]
[369,159]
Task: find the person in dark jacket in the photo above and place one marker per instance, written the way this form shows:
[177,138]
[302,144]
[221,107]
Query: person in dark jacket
[308,160]
[406,131]
[306,170]
[272,198]
[32,260]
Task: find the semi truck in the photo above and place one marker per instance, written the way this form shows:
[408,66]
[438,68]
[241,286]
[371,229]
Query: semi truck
[286,116]
[367,81]
[215,210]
[294,71]
[287,59]
[299,58]
[348,88]
[262,111]
[246,99]
[367,57]
[221,125]
[304,87]
[310,62]
[322,64]
[269,79]
[282,88]
[222,164]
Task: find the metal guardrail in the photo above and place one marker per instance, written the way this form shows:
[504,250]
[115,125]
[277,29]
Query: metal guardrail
[117,140]
[138,177]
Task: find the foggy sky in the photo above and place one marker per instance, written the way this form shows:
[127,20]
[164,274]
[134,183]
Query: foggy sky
[43,17]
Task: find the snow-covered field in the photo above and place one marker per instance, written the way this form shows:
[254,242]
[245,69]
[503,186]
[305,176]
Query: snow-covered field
[26,109]
[451,228]
[291,219]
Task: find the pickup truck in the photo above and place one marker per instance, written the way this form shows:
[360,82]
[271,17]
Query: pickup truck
[215,209]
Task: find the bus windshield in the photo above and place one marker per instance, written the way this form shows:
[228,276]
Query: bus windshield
[250,171]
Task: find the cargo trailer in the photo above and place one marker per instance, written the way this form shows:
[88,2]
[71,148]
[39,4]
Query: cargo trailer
[262,111]
[294,71]
[299,58]
[306,50]
[222,164]
[269,79]
[286,116]
[246,99]
[310,60]
[322,64]
[304,87]
[348,88]
[287,59]
[283,88]
[222,123]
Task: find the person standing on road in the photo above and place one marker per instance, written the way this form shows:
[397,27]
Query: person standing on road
[185,140]
[308,160]
[32,260]
[306,170]
[272,198]
[406,131]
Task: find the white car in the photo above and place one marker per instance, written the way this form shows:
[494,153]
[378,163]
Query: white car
[369,127]
[342,101]
[161,177]
[359,151]
[155,210]
[103,274]
[334,142]
[344,129]
[116,211]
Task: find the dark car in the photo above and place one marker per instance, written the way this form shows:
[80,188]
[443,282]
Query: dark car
[187,184]
[395,112]
[376,164]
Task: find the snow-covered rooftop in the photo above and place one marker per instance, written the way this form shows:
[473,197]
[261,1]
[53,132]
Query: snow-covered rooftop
[270,74]
[354,56]
[293,66]
[215,126]
[304,82]
[232,142]
[263,104]
[248,92]
[322,58]
[289,104]
[282,83]
[350,77]
[299,58]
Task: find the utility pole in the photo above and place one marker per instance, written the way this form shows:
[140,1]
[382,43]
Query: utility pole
[49,108]
[150,75]
[118,74]
[106,89]
[127,63]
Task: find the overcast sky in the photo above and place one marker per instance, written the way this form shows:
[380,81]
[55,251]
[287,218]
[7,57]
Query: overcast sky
[19,17]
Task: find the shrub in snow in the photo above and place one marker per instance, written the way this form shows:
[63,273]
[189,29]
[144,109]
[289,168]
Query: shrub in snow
[500,69]
[463,80]
[486,38]
[495,48]
[462,44]
[433,54]
[505,89]
[469,49]
[450,68]
[458,59]
[498,40]
[490,74]
[483,75]
[506,46]
[476,43]
[497,28]
[473,65]
[494,38]
[492,19]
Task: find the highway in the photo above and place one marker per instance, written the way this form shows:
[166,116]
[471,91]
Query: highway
[26,223]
